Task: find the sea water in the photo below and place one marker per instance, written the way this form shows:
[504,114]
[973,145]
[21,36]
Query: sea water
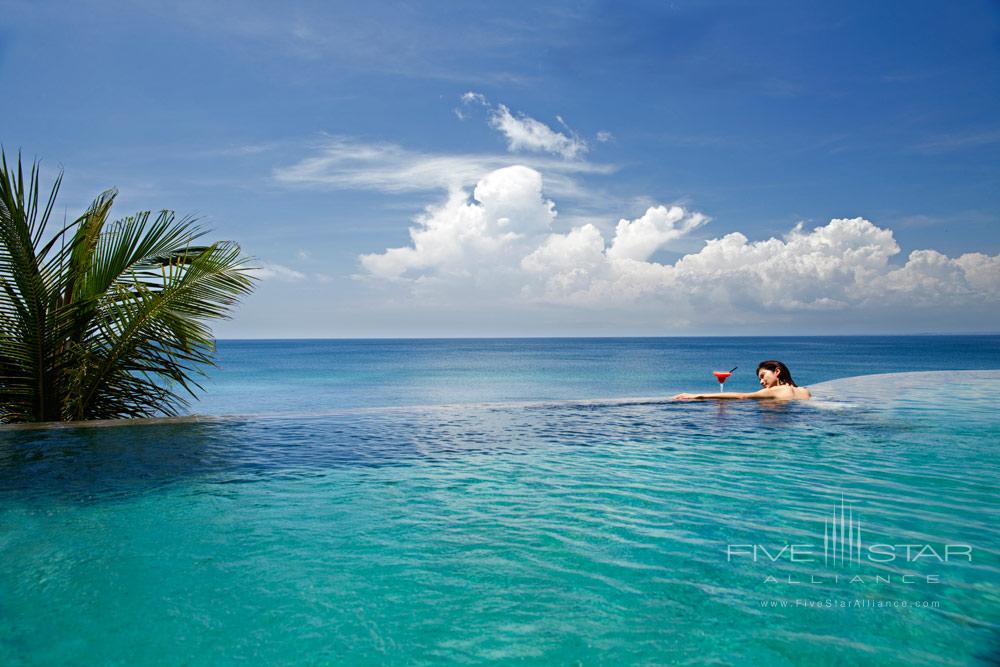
[503,510]
[312,376]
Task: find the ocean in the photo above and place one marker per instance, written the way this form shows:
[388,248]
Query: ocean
[310,376]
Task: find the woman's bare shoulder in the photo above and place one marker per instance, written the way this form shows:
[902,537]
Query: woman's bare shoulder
[785,392]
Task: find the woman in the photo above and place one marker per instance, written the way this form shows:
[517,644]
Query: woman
[774,376]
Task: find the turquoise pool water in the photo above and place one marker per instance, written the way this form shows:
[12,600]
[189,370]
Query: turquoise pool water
[536,532]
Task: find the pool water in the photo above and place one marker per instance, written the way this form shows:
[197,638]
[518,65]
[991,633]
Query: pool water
[551,531]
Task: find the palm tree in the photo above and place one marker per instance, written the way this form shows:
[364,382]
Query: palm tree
[104,320]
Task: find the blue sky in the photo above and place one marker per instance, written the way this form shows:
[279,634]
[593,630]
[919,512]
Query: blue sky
[642,168]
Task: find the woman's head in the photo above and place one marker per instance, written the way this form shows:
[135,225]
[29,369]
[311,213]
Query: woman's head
[772,373]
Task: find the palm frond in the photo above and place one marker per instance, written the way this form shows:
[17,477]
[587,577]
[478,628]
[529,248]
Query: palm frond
[24,295]
[159,331]
[106,319]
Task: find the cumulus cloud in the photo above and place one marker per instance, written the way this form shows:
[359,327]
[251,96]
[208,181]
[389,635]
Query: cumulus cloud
[638,239]
[503,237]
[508,208]
[930,278]
[981,271]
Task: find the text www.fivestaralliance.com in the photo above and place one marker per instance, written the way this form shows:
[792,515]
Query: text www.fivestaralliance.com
[849,603]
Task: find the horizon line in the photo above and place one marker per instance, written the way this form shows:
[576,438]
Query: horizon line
[584,337]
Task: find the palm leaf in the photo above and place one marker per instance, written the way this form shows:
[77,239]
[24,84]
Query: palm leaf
[106,319]
[30,389]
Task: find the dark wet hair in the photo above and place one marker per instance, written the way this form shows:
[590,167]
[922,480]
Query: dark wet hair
[784,376]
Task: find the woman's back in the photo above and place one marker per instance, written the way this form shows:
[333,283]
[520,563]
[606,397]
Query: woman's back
[789,392]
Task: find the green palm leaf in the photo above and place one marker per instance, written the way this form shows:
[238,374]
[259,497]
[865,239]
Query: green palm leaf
[105,320]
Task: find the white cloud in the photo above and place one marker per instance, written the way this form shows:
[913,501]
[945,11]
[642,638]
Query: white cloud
[981,271]
[474,98]
[470,98]
[269,271]
[345,164]
[502,244]
[526,133]
[640,238]
[604,136]
[277,272]
[581,249]
[245,150]
[930,278]
[461,234]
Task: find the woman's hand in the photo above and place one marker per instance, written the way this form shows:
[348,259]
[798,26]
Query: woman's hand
[685,397]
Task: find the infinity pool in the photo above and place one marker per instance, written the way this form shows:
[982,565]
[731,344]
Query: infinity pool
[590,532]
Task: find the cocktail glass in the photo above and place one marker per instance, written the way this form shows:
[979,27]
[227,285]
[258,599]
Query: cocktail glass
[722,376]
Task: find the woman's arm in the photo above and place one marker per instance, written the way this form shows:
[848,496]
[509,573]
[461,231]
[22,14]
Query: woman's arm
[763,393]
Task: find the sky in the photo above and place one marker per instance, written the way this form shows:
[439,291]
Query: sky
[407,169]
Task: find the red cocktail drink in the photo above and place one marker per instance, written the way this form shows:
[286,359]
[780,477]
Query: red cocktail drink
[721,376]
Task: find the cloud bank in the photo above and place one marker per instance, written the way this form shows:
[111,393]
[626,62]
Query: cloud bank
[501,244]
